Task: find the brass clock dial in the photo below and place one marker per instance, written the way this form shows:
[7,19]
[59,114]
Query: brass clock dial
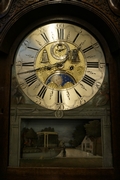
[60,66]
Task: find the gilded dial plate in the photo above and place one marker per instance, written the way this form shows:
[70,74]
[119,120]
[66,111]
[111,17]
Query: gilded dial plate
[60,66]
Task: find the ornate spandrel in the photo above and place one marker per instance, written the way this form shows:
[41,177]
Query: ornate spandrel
[109,8]
[16,8]
[115,6]
[9,9]
[4,7]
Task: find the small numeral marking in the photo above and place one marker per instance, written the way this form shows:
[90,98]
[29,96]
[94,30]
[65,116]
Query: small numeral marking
[88,80]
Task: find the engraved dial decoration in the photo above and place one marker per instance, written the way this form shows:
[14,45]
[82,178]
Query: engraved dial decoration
[60,66]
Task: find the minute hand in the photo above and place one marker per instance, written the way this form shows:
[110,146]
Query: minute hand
[29,71]
[40,68]
[45,67]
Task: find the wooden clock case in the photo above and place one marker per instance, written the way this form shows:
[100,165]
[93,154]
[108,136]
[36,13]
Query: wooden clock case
[18,18]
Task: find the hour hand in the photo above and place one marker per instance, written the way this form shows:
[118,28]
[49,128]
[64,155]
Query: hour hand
[29,71]
[49,67]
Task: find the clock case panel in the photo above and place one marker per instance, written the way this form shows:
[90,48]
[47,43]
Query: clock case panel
[96,108]
[90,109]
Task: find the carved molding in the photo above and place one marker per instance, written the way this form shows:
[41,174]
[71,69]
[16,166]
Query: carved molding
[18,7]
[115,6]
[5,6]
[34,111]
[103,6]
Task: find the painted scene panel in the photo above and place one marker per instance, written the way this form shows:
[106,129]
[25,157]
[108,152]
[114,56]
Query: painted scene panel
[66,143]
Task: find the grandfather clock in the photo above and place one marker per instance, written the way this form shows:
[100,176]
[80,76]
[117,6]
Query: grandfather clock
[59,89]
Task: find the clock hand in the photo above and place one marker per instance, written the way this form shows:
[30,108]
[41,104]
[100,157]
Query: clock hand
[24,72]
[40,68]
[60,64]
[45,67]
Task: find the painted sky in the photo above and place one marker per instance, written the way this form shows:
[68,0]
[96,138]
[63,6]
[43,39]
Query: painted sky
[63,127]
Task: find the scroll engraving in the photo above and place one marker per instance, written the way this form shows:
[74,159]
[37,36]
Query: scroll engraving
[115,6]
[4,7]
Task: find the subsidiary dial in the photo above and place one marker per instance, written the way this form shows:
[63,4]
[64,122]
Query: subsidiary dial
[60,60]
[60,50]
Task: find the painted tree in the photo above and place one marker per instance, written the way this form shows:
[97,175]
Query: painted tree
[93,128]
[31,137]
[48,129]
[78,135]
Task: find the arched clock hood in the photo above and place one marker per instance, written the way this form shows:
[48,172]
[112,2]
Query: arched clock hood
[43,12]
[18,18]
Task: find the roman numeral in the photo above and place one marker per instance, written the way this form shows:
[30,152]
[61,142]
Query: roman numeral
[28,64]
[92,64]
[90,47]
[35,49]
[31,79]
[77,92]
[42,92]
[76,37]
[26,43]
[88,80]
[59,97]
[60,33]
[87,49]
[44,36]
